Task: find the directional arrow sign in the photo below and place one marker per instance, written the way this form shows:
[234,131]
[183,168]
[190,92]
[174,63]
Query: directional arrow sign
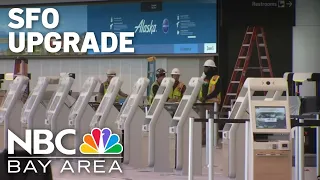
[289,3]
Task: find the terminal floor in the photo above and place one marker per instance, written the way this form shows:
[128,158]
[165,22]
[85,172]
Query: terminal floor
[134,174]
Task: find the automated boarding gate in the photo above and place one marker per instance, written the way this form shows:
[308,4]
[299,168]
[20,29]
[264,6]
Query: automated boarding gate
[81,113]
[267,143]
[233,133]
[106,113]
[56,119]
[10,109]
[33,113]
[179,131]
[155,136]
[34,110]
[130,121]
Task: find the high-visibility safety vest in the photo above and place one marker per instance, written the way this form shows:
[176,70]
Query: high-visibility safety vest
[106,85]
[177,92]
[212,86]
[151,95]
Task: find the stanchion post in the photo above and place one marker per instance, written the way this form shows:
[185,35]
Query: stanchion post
[296,153]
[215,126]
[301,150]
[211,149]
[190,165]
[247,135]
[207,137]
[318,147]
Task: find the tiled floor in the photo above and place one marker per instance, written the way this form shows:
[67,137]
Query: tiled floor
[132,174]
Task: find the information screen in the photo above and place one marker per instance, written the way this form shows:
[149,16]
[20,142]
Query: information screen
[188,27]
[272,117]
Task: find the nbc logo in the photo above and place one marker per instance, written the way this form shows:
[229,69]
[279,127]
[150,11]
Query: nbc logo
[101,142]
[98,142]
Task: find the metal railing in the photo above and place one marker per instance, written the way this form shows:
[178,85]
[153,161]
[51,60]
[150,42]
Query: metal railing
[297,122]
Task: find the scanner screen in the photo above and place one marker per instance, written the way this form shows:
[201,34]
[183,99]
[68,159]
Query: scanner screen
[270,117]
[7,101]
[181,107]
[128,106]
[54,103]
[31,101]
[153,107]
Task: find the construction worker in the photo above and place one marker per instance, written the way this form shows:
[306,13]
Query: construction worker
[178,87]
[104,86]
[210,90]
[160,74]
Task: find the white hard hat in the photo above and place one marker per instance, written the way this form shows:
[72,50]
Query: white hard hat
[175,71]
[111,72]
[209,63]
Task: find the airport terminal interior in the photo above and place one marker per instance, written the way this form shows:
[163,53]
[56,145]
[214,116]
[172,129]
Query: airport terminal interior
[214,90]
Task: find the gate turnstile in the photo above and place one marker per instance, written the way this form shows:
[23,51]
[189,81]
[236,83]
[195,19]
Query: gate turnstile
[130,121]
[81,113]
[155,136]
[10,109]
[33,112]
[106,114]
[179,131]
[56,119]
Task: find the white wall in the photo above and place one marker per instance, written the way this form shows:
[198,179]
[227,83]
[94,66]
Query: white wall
[130,69]
[306,40]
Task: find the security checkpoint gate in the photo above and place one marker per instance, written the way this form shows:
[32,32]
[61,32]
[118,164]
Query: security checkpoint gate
[155,136]
[10,109]
[179,131]
[106,113]
[130,121]
[81,112]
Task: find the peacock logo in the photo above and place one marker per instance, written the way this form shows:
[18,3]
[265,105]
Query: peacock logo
[101,141]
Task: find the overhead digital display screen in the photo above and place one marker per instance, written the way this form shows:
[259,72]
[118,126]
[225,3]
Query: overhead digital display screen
[160,28]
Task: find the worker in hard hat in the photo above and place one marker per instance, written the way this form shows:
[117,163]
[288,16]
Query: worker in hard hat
[160,74]
[104,86]
[178,87]
[210,90]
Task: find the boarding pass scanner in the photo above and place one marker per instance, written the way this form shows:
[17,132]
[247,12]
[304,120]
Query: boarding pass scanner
[81,113]
[33,113]
[155,130]
[10,109]
[179,131]
[130,120]
[106,114]
[57,113]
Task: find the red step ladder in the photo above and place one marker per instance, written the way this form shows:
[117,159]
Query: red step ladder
[254,34]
